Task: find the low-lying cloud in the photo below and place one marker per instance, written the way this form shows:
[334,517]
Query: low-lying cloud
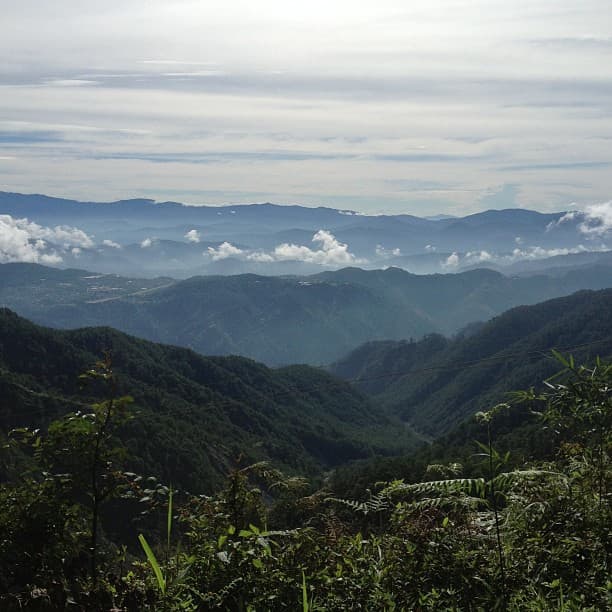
[331,252]
[22,240]
[594,222]
[111,244]
[597,219]
[193,236]
[381,251]
[471,258]
[224,251]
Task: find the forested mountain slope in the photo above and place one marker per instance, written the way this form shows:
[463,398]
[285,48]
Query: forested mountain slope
[435,384]
[194,417]
[280,320]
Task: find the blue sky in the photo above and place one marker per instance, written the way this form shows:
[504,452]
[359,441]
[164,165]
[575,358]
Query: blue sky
[378,106]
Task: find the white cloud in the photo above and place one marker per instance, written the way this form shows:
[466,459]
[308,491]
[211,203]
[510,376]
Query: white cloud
[452,261]
[70,82]
[76,251]
[225,250]
[260,257]
[66,239]
[146,243]
[60,234]
[597,219]
[468,259]
[518,254]
[50,258]
[566,218]
[538,252]
[418,79]
[332,252]
[111,244]
[430,248]
[382,252]
[474,257]
[22,240]
[193,236]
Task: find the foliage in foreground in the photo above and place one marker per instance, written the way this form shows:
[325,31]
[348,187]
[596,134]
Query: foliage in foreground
[534,538]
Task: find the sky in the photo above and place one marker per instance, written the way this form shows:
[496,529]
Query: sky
[422,107]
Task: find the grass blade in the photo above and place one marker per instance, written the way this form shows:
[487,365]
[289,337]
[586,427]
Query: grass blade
[169,520]
[154,564]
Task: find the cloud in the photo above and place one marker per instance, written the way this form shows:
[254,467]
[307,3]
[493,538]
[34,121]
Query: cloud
[452,261]
[597,219]
[22,240]
[566,218]
[332,252]
[430,248]
[471,258]
[260,257]
[381,251]
[193,236]
[146,243]
[577,42]
[60,234]
[225,250]
[538,252]
[111,244]
[586,165]
[70,82]
[65,235]
[414,89]
[476,257]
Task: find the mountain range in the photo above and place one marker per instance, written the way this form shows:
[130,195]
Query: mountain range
[313,319]
[145,238]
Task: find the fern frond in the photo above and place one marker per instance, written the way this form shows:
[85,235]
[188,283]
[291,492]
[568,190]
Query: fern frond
[506,480]
[446,503]
[376,503]
[469,486]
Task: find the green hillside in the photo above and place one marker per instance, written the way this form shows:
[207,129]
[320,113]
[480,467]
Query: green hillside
[435,384]
[280,320]
[195,417]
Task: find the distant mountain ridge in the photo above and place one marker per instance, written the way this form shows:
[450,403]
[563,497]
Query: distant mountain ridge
[279,320]
[147,238]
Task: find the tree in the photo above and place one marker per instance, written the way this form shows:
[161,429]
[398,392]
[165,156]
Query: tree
[81,450]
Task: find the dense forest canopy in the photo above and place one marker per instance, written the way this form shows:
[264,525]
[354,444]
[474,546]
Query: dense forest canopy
[196,415]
